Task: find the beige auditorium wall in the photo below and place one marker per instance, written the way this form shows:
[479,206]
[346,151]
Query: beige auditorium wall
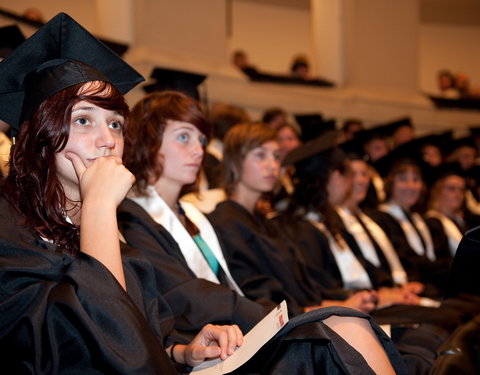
[271,35]
[194,33]
[189,30]
[381,44]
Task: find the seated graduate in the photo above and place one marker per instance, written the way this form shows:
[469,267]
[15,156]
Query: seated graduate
[173,129]
[464,155]
[372,241]
[399,217]
[447,216]
[165,143]
[323,181]
[73,298]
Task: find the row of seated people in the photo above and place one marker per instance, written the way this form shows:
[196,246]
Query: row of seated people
[238,247]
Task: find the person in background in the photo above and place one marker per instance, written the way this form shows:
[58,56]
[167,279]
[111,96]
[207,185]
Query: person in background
[447,216]
[288,138]
[274,117]
[240,61]
[403,133]
[300,69]
[350,127]
[398,216]
[5,145]
[464,156]
[464,88]
[34,14]
[300,73]
[446,84]
[223,117]
[10,38]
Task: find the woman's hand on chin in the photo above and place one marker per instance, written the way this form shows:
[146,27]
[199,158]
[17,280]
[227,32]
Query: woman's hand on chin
[105,180]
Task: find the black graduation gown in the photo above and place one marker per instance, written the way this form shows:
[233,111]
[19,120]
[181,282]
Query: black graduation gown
[321,262]
[262,261]
[248,243]
[62,314]
[194,302]
[69,315]
[316,254]
[418,267]
[440,237]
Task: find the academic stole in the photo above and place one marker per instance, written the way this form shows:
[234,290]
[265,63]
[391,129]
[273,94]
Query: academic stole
[451,230]
[356,228]
[354,275]
[412,234]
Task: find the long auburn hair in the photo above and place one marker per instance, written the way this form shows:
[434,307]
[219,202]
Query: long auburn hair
[32,186]
[144,136]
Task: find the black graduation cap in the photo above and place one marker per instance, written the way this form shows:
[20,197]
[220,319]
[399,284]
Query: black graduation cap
[177,80]
[362,137]
[474,130]
[10,38]
[467,141]
[392,126]
[447,169]
[59,55]
[408,152]
[313,125]
[314,157]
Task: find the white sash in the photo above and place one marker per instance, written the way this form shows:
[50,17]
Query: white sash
[412,236]
[399,275]
[361,237]
[163,215]
[451,230]
[471,203]
[210,237]
[354,276]
[378,184]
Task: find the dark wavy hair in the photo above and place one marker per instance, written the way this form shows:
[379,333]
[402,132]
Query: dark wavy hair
[310,194]
[32,186]
[147,124]
[238,142]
